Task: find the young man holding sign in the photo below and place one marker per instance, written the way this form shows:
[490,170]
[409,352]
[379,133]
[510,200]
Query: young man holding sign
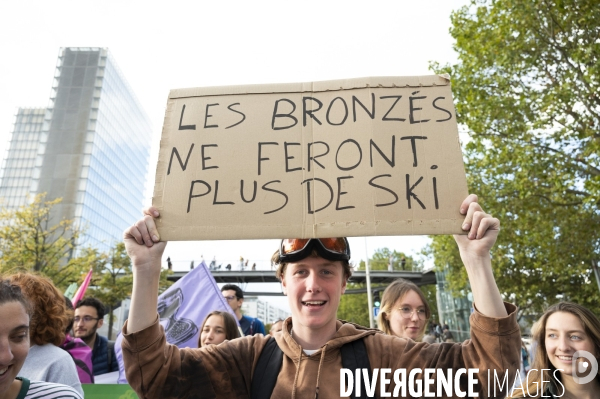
[314,275]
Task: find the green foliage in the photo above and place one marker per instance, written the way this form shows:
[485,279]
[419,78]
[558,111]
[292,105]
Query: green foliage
[112,280]
[399,261]
[430,294]
[163,283]
[354,307]
[527,89]
[31,242]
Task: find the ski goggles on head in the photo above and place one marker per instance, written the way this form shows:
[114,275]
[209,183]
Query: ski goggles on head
[295,249]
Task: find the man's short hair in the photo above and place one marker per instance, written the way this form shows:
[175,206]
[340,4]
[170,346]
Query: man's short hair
[93,302]
[238,291]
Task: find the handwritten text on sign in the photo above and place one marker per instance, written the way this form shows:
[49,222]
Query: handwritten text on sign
[375,156]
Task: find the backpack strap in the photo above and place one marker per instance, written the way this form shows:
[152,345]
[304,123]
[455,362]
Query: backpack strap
[354,356]
[267,370]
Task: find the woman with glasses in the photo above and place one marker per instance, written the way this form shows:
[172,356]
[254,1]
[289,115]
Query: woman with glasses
[404,310]
[305,360]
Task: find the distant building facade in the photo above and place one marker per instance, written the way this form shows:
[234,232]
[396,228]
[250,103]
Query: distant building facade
[263,310]
[454,311]
[91,146]
[19,165]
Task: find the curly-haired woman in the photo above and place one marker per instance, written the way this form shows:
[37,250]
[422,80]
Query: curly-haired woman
[15,313]
[46,361]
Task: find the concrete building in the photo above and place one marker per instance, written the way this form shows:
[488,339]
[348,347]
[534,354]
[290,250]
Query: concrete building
[19,165]
[90,147]
[265,311]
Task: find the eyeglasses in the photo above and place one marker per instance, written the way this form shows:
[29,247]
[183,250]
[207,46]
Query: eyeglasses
[86,319]
[295,249]
[407,313]
[230,297]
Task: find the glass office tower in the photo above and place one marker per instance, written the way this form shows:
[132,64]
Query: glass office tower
[18,165]
[92,149]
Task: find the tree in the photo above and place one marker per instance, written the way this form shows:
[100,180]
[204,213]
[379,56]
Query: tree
[31,241]
[354,307]
[527,90]
[534,266]
[112,280]
[384,259]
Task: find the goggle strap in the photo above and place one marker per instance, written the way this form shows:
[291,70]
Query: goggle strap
[321,249]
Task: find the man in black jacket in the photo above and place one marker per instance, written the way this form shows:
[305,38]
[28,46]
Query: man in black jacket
[89,317]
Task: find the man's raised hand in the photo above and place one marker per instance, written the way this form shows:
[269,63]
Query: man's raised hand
[482,229]
[142,241]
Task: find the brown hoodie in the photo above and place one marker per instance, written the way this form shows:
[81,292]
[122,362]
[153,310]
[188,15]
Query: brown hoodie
[156,369]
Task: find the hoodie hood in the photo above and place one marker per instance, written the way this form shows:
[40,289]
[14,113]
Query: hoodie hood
[328,353]
[345,332]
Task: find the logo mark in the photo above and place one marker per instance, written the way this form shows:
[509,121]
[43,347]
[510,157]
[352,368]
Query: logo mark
[584,363]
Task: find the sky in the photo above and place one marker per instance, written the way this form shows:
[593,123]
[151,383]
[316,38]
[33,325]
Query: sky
[160,46]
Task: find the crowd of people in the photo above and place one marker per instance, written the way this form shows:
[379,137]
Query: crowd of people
[309,349]
[48,348]
[47,345]
[243,265]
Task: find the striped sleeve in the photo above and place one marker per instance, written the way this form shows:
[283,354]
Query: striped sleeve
[50,390]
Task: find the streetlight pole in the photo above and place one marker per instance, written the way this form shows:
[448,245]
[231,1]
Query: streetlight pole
[369,292]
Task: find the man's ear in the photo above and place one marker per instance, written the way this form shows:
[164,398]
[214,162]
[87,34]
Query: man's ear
[100,322]
[344,283]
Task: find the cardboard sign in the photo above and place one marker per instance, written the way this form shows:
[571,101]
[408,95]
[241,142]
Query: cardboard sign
[358,157]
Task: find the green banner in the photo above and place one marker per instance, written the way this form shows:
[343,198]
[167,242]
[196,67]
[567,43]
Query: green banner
[108,391]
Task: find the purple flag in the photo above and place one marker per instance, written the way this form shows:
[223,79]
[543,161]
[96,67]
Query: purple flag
[182,309]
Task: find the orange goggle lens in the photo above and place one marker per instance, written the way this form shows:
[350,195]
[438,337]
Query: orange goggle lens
[291,245]
[334,244]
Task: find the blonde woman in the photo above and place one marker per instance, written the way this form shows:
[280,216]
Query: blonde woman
[404,310]
[563,329]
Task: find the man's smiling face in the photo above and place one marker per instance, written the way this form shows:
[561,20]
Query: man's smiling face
[314,287]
